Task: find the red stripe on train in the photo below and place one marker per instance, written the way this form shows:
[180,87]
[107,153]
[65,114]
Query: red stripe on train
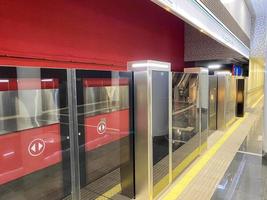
[28,84]
[100,82]
[106,128]
[27,151]
[19,153]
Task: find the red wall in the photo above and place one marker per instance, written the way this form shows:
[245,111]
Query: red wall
[105,32]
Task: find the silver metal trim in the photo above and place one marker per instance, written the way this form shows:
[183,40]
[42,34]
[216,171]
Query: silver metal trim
[183,110]
[200,110]
[150,139]
[144,127]
[170,128]
[73,132]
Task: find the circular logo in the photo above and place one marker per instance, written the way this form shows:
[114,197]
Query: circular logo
[101,127]
[36,147]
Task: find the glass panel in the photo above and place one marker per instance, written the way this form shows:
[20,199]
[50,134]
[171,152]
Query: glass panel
[212,103]
[160,130]
[204,95]
[185,120]
[106,138]
[34,146]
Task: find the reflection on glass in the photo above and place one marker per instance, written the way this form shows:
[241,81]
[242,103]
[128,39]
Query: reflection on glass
[230,100]
[160,130]
[212,102]
[185,119]
[105,124]
[204,104]
[33,134]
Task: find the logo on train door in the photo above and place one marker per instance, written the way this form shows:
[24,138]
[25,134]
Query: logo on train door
[36,147]
[101,127]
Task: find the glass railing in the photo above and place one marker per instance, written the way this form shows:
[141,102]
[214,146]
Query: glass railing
[186,134]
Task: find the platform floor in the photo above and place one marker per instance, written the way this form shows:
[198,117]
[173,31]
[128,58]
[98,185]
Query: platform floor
[207,177]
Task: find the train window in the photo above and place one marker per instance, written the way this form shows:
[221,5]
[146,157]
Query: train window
[34,146]
[106,140]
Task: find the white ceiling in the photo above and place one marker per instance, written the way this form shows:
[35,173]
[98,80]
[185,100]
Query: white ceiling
[257,7]
[258,41]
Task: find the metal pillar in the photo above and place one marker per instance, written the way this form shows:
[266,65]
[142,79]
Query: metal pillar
[152,108]
[265,116]
[73,130]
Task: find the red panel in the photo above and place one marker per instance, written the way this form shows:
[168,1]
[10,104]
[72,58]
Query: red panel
[97,82]
[116,126]
[8,84]
[28,84]
[24,152]
[79,33]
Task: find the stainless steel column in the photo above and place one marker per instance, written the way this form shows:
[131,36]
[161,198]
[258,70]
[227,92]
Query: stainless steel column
[152,108]
[226,101]
[264,145]
[213,85]
[221,111]
[73,130]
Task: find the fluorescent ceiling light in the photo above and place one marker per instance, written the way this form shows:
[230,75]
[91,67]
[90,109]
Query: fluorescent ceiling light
[214,66]
[4,81]
[204,70]
[136,65]
[223,73]
[47,80]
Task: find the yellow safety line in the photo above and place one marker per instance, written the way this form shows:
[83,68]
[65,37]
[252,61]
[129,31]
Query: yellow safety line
[110,193]
[188,160]
[230,122]
[165,180]
[177,189]
[161,185]
[254,105]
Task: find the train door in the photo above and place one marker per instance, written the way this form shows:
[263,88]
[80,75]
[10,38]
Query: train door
[105,134]
[34,145]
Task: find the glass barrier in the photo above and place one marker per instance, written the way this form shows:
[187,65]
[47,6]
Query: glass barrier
[34,134]
[105,134]
[185,120]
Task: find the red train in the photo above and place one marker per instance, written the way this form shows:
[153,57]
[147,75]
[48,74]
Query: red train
[30,127]
[30,132]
